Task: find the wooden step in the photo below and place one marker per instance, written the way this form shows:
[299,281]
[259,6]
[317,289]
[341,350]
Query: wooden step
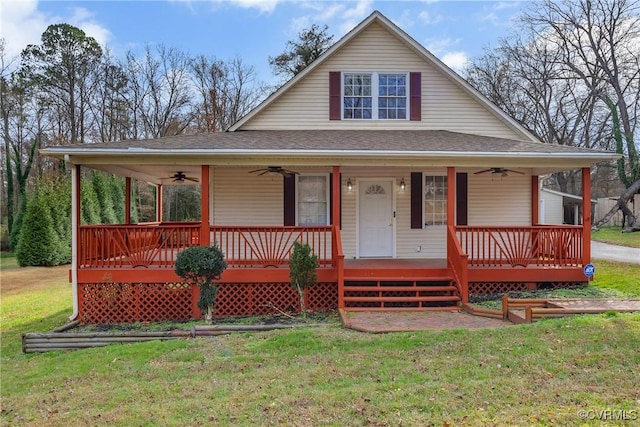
[440,308]
[425,288]
[431,298]
[441,279]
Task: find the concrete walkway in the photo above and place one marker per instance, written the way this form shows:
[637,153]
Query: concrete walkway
[609,252]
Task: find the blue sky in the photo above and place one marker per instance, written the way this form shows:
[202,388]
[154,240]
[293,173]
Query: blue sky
[256,29]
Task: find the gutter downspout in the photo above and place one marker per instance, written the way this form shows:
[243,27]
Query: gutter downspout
[75,205]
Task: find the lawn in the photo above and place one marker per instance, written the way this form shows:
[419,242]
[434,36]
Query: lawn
[613,236]
[543,373]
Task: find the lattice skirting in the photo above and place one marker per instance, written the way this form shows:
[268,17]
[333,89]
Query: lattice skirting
[103,303]
[246,299]
[492,288]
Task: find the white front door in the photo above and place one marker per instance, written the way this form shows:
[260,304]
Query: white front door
[375,218]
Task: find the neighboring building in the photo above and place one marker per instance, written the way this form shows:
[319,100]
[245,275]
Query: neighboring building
[412,188]
[557,207]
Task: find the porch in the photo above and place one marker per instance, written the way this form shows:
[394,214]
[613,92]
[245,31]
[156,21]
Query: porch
[115,260]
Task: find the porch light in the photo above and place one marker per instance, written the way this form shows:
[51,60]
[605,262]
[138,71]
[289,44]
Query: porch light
[402,184]
[349,185]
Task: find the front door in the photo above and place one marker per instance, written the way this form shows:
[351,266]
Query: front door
[375,218]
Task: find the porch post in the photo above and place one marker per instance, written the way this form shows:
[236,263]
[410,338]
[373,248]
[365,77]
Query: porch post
[335,214]
[127,200]
[75,237]
[586,215]
[159,203]
[451,196]
[205,238]
[535,200]
[336,253]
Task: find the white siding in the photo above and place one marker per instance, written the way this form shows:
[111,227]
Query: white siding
[445,106]
[553,210]
[241,198]
[433,241]
[495,200]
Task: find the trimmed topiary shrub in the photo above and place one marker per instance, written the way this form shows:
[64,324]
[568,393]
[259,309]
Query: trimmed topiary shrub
[201,265]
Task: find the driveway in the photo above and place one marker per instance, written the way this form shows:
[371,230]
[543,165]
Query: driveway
[606,251]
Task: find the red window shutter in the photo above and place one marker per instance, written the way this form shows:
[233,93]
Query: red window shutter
[289,200]
[416,200]
[334,95]
[415,92]
[461,199]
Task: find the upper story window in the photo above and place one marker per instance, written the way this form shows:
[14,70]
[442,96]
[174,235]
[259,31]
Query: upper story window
[375,96]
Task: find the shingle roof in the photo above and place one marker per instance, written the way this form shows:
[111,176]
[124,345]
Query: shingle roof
[330,140]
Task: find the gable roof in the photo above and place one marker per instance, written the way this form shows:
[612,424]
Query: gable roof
[421,51]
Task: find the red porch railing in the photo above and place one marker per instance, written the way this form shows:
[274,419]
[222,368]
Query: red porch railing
[338,263]
[540,246]
[140,245]
[270,246]
[458,263]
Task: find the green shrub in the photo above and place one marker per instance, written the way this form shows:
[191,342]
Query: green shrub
[39,243]
[201,265]
[103,195]
[89,203]
[302,270]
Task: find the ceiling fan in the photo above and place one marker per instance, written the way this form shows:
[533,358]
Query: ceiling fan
[181,177]
[499,171]
[275,169]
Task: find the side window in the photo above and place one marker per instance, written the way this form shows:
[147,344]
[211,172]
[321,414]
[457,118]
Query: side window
[312,202]
[435,200]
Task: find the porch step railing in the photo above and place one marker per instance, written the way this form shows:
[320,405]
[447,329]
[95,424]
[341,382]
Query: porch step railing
[540,246]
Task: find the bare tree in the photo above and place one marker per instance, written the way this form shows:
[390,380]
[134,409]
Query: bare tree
[599,40]
[227,91]
[573,78]
[159,92]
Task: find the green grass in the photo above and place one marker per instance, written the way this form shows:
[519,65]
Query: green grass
[613,236]
[540,374]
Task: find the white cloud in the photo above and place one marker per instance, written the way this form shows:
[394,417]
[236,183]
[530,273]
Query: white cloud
[406,20]
[428,18]
[455,60]
[264,6]
[21,24]
[83,19]
[438,46]
[323,11]
[354,15]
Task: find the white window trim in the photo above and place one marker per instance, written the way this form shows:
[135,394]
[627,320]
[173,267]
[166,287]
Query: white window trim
[328,195]
[424,200]
[374,98]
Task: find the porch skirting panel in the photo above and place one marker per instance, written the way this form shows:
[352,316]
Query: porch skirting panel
[106,303]
[247,299]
